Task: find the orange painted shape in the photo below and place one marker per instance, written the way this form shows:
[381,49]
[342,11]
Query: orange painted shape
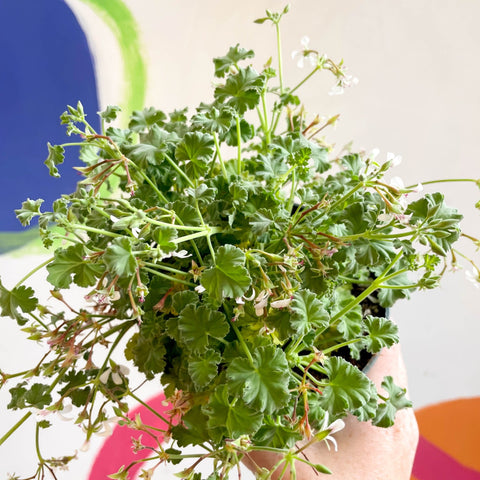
[454,427]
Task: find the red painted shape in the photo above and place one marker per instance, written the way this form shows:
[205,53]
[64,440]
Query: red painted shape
[431,463]
[117,449]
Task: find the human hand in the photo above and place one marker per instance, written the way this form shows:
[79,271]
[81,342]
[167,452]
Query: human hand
[365,452]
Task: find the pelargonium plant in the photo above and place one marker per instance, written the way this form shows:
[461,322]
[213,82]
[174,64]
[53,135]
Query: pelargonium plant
[245,266]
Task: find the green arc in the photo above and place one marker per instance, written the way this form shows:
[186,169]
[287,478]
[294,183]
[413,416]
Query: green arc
[121,22]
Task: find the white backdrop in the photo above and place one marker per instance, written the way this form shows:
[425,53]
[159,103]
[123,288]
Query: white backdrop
[418,66]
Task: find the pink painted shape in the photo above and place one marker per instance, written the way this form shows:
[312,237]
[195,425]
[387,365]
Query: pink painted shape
[117,449]
[432,463]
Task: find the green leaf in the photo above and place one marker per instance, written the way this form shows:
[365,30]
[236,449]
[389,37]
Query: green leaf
[147,351]
[204,369]
[110,113]
[242,90]
[381,333]
[347,388]
[230,415]
[350,324]
[197,149]
[19,298]
[263,384]
[213,119]
[277,435]
[145,119]
[234,55]
[397,400]
[119,259]
[35,395]
[228,278]
[70,261]
[30,209]
[309,312]
[373,252]
[56,156]
[197,325]
[164,237]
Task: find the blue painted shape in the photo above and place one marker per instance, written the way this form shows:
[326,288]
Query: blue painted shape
[45,66]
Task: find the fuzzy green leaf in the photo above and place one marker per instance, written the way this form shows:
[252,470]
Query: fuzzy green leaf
[397,400]
[228,278]
[146,118]
[196,149]
[347,388]
[263,384]
[56,156]
[309,312]
[204,369]
[197,325]
[110,113]
[242,90]
[234,55]
[381,333]
[230,415]
[30,209]
[119,259]
[12,302]
[70,262]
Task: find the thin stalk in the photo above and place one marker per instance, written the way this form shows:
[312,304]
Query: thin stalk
[155,188]
[179,170]
[205,233]
[239,146]
[36,269]
[148,407]
[265,119]
[164,267]
[296,87]
[279,52]
[347,195]
[217,147]
[445,180]
[94,230]
[168,277]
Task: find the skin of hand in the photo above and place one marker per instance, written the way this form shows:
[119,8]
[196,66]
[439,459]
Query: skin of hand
[365,452]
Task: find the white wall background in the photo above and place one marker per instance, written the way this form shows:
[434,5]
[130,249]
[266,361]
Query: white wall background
[418,65]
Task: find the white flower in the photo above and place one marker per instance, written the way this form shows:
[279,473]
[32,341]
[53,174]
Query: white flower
[394,160]
[305,53]
[374,154]
[107,427]
[261,301]
[397,182]
[116,373]
[418,188]
[281,303]
[179,254]
[334,427]
[241,300]
[474,277]
[200,288]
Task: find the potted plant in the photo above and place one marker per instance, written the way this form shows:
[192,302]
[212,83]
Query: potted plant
[246,267]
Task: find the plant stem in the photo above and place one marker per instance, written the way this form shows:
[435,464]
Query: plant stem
[239,146]
[36,269]
[445,180]
[279,52]
[168,277]
[179,170]
[305,79]
[217,147]
[148,407]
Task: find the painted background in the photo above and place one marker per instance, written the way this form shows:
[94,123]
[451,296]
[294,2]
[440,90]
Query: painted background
[418,65]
